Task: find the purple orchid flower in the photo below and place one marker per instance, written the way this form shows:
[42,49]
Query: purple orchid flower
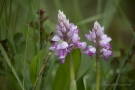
[97,36]
[66,38]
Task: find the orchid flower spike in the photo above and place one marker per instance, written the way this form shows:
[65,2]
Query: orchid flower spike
[98,37]
[66,38]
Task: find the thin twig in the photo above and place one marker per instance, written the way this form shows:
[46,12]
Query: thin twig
[41,70]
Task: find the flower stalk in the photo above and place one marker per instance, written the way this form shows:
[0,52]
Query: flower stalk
[72,75]
[97,66]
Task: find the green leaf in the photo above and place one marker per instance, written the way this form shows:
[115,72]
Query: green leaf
[33,67]
[80,82]
[76,57]
[62,77]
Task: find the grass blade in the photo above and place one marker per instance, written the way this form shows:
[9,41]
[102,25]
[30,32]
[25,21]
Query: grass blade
[91,19]
[10,65]
[2,9]
[123,65]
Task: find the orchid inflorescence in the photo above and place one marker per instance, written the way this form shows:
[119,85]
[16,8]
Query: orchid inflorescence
[98,37]
[67,38]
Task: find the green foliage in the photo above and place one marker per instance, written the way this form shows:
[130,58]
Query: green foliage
[80,82]
[76,57]
[18,61]
[33,66]
[62,77]
[10,65]
[123,65]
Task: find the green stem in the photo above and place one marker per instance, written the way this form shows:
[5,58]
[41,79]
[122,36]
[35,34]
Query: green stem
[72,75]
[97,74]
[97,67]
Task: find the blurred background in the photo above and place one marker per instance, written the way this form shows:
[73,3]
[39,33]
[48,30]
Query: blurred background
[117,16]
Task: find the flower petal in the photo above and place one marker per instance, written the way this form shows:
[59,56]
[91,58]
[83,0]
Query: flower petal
[59,33]
[82,45]
[105,40]
[75,38]
[106,53]
[56,38]
[90,51]
[63,45]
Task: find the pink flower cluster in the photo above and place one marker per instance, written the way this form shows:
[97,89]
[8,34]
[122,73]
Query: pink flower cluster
[66,38]
[97,36]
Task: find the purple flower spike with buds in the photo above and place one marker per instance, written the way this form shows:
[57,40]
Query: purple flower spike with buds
[66,38]
[100,40]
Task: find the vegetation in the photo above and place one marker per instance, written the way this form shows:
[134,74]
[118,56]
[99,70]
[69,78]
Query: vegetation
[26,30]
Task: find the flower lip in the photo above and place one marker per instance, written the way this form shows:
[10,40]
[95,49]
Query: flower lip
[63,45]
[106,53]
[90,51]
[56,38]
[82,45]
[105,40]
